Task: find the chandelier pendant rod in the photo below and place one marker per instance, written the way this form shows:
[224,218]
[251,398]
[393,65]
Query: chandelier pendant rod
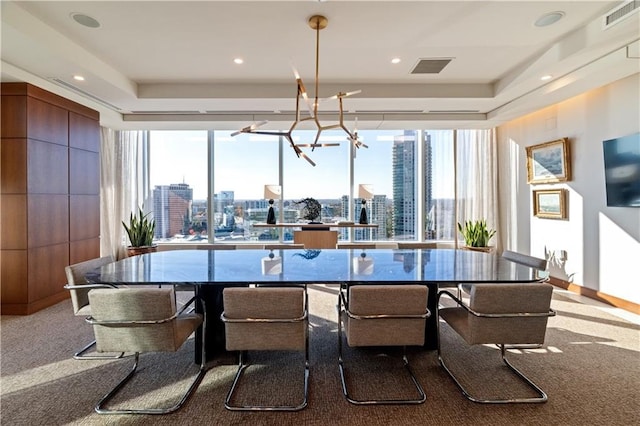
[315,104]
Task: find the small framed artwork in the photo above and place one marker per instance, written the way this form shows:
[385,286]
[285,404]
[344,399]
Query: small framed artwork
[549,203]
[549,162]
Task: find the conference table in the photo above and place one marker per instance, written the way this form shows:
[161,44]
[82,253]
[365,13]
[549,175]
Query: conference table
[210,271]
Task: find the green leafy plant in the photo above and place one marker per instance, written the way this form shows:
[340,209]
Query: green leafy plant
[140,229]
[476,233]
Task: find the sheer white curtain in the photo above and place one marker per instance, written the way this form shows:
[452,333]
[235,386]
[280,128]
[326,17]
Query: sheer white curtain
[477,178]
[124,185]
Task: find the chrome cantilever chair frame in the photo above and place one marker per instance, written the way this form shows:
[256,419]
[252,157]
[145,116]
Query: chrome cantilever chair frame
[80,355]
[79,287]
[100,406]
[242,365]
[542,395]
[343,306]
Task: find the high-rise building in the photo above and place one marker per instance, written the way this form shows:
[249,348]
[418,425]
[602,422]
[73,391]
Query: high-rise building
[404,186]
[223,209]
[172,209]
[404,170]
[428,187]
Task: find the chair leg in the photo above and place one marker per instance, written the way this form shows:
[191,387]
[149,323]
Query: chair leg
[540,399]
[422,395]
[79,355]
[105,399]
[242,366]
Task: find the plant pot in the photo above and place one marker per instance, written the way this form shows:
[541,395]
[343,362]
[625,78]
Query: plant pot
[134,251]
[488,249]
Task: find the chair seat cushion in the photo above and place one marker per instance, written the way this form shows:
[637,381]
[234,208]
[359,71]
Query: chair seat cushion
[384,331]
[246,305]
[503,299]
[139,304]
[386,300]
[265,336]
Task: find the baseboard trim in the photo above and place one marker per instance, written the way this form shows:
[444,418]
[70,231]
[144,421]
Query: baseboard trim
[597,295]
[30,308]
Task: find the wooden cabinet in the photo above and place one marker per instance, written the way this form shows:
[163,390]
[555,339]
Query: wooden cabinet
[50,194]
[316,239]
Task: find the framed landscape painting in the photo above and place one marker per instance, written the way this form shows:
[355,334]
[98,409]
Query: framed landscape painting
[549,203]
[548,162]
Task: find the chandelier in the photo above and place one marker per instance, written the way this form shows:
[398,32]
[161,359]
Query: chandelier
[317,23]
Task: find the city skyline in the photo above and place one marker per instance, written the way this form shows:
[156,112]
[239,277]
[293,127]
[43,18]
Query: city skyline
[181,157]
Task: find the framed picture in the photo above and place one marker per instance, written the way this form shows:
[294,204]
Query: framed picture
[549,162]
[549,203]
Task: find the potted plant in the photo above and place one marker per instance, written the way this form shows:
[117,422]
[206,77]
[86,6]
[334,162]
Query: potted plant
[476,234]
[140,232]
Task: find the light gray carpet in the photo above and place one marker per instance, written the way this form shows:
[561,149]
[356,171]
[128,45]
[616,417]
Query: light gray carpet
[589,366]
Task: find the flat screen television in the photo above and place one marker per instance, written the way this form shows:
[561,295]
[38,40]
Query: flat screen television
[622,171]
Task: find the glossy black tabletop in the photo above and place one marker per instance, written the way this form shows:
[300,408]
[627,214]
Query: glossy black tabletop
[312,266]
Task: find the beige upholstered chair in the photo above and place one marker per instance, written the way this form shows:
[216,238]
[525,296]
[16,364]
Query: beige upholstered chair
[79,289]
[142,320]
[523,259]
[264,319]
[500,314]
[382,315]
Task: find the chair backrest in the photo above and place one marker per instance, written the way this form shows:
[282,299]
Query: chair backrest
[406,303]
[509,299]
[139,304]
[524,259]
[284,308]
[75,277]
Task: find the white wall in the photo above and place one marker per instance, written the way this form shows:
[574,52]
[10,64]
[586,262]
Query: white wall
[602,244]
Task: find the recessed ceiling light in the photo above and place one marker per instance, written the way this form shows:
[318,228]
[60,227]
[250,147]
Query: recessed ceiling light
[238,61]
[85,20]
[78,77]
[395,60]
[546,77]
[549,19]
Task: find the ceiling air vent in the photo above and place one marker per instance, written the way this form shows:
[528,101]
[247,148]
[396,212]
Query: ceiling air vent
[620,13]
[81,92]
[430,66]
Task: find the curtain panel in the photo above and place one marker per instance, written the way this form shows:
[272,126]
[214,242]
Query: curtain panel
[477,178]
[124,185]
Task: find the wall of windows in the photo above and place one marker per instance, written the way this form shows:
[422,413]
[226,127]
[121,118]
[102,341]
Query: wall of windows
[209,186]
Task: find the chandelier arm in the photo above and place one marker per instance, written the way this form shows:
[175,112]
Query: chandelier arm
[315,141]
[307,158]
[265,132]
[302,91]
